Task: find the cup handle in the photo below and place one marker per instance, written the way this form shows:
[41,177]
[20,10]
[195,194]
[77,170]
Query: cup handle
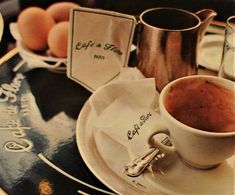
[157,144]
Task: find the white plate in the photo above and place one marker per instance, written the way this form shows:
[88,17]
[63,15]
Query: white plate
[210,51]
[105,157]
[42,60]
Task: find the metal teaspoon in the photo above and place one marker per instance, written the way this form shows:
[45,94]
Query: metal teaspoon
[138,165]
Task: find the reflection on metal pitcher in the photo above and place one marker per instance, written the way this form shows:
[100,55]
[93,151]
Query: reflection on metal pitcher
[168,42]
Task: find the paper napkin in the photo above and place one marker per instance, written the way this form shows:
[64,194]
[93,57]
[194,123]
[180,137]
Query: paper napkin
[126,110]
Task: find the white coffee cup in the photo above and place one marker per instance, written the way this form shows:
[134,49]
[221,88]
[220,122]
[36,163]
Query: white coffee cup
[198,148]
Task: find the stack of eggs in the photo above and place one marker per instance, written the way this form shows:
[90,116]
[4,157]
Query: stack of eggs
[42,29]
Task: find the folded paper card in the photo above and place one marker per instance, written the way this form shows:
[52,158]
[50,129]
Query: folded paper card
[99,45]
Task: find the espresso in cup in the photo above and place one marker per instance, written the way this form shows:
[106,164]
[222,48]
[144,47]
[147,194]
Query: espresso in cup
[202,104]
[198,114]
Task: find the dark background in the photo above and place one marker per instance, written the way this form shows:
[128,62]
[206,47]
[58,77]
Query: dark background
[224,8]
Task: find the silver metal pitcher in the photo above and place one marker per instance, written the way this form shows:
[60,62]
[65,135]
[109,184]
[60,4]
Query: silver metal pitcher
[168,42]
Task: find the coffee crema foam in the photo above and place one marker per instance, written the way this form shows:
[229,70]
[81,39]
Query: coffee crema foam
[202,104]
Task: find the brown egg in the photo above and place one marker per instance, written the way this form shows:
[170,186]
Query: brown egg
[60,10]
[58,39]
[34,24]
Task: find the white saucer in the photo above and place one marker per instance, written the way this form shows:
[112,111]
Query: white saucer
[210,51]
[105,157]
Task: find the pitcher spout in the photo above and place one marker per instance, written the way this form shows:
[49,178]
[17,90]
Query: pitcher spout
[206,16]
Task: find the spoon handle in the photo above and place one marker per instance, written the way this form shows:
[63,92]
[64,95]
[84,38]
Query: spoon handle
[138,165]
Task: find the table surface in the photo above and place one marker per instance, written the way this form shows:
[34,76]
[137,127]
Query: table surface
[39,110]
[37,127]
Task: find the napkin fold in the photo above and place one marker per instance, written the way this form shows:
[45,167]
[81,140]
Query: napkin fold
[126,109]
